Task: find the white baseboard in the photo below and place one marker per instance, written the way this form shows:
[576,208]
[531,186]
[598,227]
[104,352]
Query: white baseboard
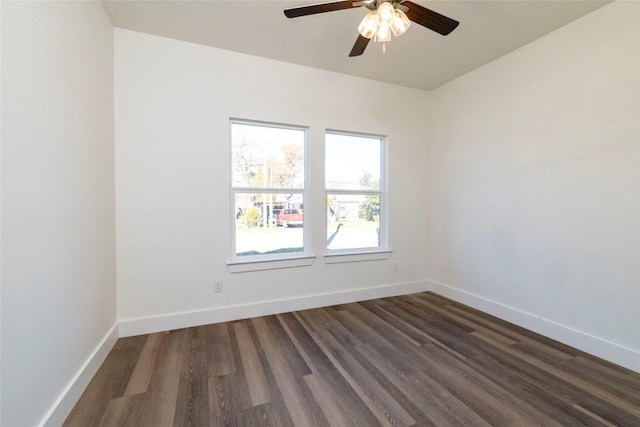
[623,356]
[67,400]
[224,314]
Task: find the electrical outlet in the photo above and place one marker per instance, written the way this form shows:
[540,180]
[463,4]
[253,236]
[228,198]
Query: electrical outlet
[217,285]
[394,266]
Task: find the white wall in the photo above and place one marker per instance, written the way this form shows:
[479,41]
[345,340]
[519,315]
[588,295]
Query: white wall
[173,104]
[58,228]
[535,185]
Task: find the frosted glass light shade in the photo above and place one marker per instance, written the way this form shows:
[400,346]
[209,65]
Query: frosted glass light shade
[400,23]
[369,25]
[384,33]
[385,12]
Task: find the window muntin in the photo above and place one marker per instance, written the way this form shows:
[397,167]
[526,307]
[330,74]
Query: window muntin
[268,178]
[354,182]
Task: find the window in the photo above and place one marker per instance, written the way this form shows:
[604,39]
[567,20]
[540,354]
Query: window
[355,193]
[269,184]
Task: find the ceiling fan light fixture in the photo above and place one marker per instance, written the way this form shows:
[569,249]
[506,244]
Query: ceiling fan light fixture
[385,17]
[400,23]
[379,23]
[369,25]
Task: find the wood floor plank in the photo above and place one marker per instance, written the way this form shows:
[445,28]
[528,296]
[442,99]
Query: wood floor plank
[473,326]
[433,407]
[145,365]
[364,333]
[563,393]
[575,381]
[270,414]
[448,406]
[303,411]
[258,386]
[540,397]
[387,330]
[330,403]
[594,416]
[510,404]
[409,330]
[292,328]
[386,409]
[242,384]
[350,401]
[515,332]
[124,411]
[163,388]
[616,382]
[220,402]
[158,404]
[414,360]
[480,400]
[395,393]
[193,406]
[110,382]
[437,331]
[294,359]
[219,348]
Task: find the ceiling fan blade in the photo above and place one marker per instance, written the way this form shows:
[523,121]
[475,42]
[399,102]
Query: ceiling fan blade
[359,46]
[319,8]
[430,19]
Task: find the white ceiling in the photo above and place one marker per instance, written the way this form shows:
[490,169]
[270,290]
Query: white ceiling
[420,58]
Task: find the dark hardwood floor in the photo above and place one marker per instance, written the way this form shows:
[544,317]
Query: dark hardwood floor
[416,360]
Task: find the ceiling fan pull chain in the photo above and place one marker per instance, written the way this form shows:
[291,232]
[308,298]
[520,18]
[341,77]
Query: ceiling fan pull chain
[384,47]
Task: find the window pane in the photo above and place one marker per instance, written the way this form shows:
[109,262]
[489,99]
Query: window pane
[352,162]
[353,221]
[281,232]
[267,157]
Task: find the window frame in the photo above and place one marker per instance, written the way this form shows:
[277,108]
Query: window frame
[270,261]
[382,251]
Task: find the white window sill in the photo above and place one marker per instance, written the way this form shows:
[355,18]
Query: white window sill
[269,264]
[338,257]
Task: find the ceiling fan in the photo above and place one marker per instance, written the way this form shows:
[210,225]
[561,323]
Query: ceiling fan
[385,17]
